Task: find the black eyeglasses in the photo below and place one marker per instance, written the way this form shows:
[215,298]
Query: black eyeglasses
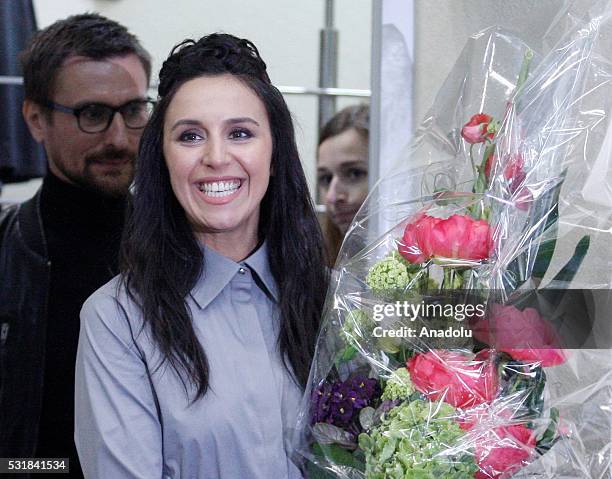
[97,117]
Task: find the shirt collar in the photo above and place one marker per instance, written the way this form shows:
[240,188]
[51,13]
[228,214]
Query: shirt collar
[219,270]
[258,262]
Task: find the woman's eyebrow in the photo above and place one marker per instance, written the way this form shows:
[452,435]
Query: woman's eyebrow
[245,119]
[185,121]
[351,163]
[229,121]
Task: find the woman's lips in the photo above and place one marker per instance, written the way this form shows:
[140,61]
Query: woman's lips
[219,191]
[343,217]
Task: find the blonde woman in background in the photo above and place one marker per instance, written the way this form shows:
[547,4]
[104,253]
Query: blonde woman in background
[342,172]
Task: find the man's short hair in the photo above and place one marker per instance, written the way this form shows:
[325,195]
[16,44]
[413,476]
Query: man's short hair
[89,35]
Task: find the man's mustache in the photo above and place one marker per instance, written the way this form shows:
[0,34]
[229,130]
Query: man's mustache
[111,154]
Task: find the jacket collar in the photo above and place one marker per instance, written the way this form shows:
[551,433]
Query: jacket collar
[31,227]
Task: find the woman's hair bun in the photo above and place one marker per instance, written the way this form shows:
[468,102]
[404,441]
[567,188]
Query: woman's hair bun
[213,54]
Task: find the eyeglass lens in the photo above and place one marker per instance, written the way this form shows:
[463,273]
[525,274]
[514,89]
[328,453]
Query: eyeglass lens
[96,118]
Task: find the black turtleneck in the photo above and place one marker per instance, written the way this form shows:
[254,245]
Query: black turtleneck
[82,231]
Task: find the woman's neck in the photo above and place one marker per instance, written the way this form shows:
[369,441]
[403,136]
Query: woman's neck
[234,245]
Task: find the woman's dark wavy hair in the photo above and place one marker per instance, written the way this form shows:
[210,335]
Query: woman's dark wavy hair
[161,259]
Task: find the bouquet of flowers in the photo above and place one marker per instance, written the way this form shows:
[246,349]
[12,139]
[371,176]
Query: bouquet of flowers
[452,345]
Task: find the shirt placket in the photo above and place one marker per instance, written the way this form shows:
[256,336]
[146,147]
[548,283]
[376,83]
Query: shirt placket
[262,389]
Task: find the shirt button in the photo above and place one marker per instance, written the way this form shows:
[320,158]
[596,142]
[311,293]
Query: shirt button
[242,271]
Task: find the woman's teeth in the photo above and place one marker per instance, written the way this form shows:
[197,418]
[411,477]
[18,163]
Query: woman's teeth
[219,188]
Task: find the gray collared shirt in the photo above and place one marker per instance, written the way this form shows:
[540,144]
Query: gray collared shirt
[242,426]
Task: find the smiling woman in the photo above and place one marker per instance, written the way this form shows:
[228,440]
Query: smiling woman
[192,362]
[218,149]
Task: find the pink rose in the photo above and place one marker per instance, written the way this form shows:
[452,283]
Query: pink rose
[503,450]
[458,236]
[524,335]
[475,130]
[414,246]
[454,378]
[501,447]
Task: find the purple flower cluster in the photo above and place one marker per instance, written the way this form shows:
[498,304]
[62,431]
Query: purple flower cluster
[340,402]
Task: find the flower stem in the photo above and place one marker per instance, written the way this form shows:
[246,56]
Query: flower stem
[524,73]
[447,281]
[472,158]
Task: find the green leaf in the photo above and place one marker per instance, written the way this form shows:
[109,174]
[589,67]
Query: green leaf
[316,472]
[489,150]
[527,378]
[547,206]
[542,261]
[568,272]
[366,417]
[329,434]
[365,442]
[336,455]
[403,355]
[481,181]
[388,450]
[416,396]
[550,436]
[345,354]
[547,248]
[524,73]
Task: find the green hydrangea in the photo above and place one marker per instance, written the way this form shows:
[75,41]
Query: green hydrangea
[414,440]
[393,275]
[357,325]
[392,272]
[399,386]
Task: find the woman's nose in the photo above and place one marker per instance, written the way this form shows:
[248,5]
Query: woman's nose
[335,192]
[215,154]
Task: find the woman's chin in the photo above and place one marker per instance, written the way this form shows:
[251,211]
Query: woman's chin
[343,227]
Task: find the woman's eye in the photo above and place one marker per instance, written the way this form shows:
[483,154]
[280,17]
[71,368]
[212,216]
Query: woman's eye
[324,179]
[356,174]
[240,134]
[189,137]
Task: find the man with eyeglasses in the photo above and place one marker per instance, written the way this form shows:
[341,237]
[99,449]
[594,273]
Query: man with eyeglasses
[85,80]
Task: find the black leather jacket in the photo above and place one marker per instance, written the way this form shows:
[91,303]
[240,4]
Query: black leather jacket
[25,273]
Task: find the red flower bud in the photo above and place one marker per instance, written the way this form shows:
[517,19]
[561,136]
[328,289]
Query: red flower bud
[475,130]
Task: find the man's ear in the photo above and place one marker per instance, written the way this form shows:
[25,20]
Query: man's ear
[34,117]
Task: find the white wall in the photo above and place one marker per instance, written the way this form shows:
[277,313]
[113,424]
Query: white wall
[286,33]
[443,27]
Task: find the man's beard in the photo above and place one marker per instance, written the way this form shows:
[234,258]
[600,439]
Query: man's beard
[114,183]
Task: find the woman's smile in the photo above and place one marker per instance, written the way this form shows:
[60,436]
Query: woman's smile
[219,191]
